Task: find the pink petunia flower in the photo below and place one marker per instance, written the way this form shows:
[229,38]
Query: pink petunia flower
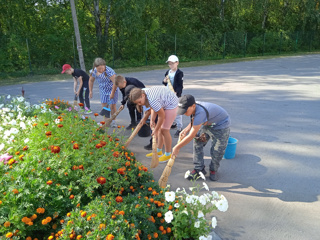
[5,158]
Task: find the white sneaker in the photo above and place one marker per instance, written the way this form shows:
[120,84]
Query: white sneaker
[113,124]
[88,112]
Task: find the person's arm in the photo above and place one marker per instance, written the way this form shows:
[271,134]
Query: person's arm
[75,83]
[165,80]
[114,87]
[91,81]
[80,85]
[178,83]
[193,132]
[161,118]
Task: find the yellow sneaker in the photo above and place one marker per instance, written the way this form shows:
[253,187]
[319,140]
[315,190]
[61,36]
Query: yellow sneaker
[150,154]
[164,158]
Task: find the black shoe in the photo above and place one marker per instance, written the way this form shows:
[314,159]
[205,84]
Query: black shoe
[148,147]
[132,125]
[213,176]
[173,126]
[195,174]
[176,135]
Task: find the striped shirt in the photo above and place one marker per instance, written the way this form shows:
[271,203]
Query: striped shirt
[161,97]
[105,85]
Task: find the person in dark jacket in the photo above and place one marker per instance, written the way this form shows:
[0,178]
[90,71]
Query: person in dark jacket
[175,76]
[126,84]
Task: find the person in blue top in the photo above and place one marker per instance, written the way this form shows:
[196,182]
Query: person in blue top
[126,84]
[208,121]
[107,88]
[175,76]
[83,78]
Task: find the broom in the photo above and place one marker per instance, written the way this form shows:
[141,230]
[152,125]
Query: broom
[167,171]
[155,157]
[75,102]
[169,84]
[137,129]
[113,117]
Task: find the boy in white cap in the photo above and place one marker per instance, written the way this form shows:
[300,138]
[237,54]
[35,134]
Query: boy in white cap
[175,76]
[208,121]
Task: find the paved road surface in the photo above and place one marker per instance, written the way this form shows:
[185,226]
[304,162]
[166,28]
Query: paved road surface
[273,183]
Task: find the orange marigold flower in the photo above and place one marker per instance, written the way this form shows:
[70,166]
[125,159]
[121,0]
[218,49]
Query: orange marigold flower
[159,215]
[121,171]
[15,191]
[61,221]
[79,237]
[102,226]
[54,226]
[44,222]
[29,238]
[74,167]
[121,213]
[46,124]
[113,216]
[35,124]
[81,104]
[161,228]
[132,154]
[75,146]
[119,199]
[50,237]
[25,148]
[145,169]
[55,149]
[168,230]
[48,219]
[6,224]
[109,237]
[60,125]
[98,146]
[17,153]
[81,167]
[83,214]
[101,180]
[9,235]
[102,122]
[40,210]
[150,189]
[48,133]
[48,168]
[96,114]
[68,214]
[155,235]
[49,182]
[116,154]
[127,164]
[71,196]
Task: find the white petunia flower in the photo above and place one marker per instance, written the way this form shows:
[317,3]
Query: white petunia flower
[11,115]
[222,205]
[215,194]
[1,146]
[176,205]
[202,176]
[202,238]
[194,198]
[185,212]
[14,131]
[203,200]
[168,216]
[191,188]
[170,196]
[214,222]
[187,174]
[9,96]
[205,186]
[57,121]
[13,122]
[26,140]
[22,125]
[200,214]
[178,189]
[209,237]
[188,199]
[20,99]
[197,224]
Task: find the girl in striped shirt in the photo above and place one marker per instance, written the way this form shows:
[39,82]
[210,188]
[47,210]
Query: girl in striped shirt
[107,88]
[164,104]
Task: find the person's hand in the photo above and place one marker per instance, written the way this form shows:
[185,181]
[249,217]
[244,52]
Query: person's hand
[111,95]
[165,80]
[75,92]
[121,107]
[78,93]
[175,151]
[90,94]
[152,124]
[155,132]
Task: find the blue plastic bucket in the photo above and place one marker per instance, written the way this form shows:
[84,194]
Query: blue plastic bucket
[231,148]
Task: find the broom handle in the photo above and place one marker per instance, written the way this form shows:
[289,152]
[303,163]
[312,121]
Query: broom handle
[169,84]
[138,127]
[109,120]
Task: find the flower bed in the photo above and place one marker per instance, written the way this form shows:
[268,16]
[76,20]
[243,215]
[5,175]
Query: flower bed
[63,177]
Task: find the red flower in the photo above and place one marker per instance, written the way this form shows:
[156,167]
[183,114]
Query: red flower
[81,167]
[103,143]
[116,154]
[55,149]
[81,104]
[48,168]
[98,145]
[49,182]
[75,146]
[102,122]
[101,180]
[121,171]
[75,167]
[119,199]
[60,125]
[71,196]
[25,148]
[48,133]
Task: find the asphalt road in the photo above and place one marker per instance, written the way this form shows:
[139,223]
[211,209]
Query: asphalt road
[273,183]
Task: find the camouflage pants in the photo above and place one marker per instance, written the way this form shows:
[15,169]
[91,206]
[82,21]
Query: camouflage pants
[219,144]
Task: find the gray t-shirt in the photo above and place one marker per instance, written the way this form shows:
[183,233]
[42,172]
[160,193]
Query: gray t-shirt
[218,117]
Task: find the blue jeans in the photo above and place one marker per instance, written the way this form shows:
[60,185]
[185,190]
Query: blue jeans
[219,144]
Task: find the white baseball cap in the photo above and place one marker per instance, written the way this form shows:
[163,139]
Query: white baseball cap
[173,58]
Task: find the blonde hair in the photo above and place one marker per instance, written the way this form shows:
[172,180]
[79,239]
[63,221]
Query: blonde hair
[135,94]
[98,62]
[119,79]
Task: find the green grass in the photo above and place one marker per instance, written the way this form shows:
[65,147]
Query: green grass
[59,77]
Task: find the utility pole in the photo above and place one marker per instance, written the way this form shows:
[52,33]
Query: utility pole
[77,33]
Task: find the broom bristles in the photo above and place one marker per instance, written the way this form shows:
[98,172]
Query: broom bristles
[166,173]
[155,157]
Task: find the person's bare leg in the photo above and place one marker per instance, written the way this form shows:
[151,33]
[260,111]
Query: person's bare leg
[167,139]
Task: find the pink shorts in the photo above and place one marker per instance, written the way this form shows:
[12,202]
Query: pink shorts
[170,115]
